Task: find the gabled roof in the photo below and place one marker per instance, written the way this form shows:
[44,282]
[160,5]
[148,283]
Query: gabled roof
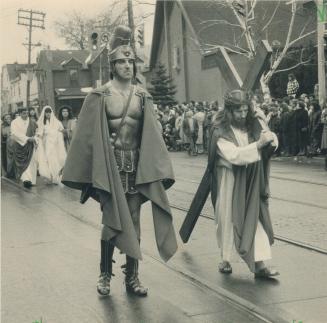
[94,55]
[14,70]
[214,23]
[70,61]
[54,58]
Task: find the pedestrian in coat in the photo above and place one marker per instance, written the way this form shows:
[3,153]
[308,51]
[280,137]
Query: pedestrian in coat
[315,128]
[302,128]
[190,129]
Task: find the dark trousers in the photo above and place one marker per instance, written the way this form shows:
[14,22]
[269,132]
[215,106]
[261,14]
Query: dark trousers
[134,205]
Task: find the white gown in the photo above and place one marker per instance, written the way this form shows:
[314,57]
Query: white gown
[51,152]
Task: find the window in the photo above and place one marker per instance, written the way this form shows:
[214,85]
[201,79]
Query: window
[176,59]
[73,75]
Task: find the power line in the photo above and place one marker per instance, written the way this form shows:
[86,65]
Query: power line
[31,19]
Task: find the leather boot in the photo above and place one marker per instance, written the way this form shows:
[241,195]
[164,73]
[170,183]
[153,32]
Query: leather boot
[132,282]
[107,251]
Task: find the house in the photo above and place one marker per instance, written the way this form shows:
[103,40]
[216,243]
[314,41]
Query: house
[66,76]
[186,35]
[14,87]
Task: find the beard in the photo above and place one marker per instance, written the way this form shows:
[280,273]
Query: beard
[239,124]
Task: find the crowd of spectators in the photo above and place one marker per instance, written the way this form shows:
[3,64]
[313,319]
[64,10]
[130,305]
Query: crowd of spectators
[299,123]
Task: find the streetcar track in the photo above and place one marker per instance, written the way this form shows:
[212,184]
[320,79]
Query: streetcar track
[272,197]
[204,215]
[271,176]
[296,243]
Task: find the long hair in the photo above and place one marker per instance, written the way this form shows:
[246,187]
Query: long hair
[224,119]
[48,109]
[68,108]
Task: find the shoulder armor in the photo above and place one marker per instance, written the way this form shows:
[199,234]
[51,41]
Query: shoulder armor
[102,90]
[142,92]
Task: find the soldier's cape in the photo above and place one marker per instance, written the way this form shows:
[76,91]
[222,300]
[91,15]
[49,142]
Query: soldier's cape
[91,165]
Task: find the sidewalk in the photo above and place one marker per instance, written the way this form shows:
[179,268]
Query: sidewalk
[299,294]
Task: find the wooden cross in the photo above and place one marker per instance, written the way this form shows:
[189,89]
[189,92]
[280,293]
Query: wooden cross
[258,66]
[233,80]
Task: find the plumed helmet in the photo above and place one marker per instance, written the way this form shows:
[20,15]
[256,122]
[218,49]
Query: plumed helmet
[120,47]
[236,98]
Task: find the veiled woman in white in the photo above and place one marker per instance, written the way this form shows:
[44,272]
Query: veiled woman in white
[51,152]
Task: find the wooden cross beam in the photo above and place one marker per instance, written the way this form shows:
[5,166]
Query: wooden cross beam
[257,67]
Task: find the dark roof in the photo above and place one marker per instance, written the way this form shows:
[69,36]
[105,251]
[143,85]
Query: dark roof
[203,18]
[14,70]
[54,58]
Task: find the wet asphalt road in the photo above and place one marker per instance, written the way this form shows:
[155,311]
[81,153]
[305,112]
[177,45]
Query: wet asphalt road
[50,267]
[50,255]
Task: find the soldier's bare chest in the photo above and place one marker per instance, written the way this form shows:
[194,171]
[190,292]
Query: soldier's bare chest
[115,105]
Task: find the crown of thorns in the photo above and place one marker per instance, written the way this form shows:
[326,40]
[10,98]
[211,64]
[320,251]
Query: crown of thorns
[236,98]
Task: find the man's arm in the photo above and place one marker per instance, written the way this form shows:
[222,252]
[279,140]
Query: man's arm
[247,154]
[238,155]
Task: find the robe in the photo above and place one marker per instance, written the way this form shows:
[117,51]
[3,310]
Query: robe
[51,153]
[239,192]
[240,155]
[24,164]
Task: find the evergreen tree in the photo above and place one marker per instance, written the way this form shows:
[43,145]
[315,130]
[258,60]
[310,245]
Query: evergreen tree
[162,89]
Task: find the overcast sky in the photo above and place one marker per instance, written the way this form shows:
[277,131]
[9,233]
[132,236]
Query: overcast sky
[13,35]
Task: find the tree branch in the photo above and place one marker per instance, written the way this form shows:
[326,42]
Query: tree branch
[285,49]
[219,21]
[272,17]
[301,37]
[292,67]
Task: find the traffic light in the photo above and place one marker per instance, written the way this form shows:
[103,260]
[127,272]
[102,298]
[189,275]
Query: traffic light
[140,36]
[94,40]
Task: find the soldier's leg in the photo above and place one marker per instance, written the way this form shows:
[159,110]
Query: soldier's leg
[132,281]
[107,250]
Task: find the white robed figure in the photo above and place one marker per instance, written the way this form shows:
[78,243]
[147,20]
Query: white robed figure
[51,149]
[22,161]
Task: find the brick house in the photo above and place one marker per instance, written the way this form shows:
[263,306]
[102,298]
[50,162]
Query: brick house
[66,76]
[184,38]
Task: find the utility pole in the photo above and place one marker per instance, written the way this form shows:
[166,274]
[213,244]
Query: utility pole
[321,21]
[131,23]
[31,19]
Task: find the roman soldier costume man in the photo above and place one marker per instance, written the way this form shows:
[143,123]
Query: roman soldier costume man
[118,157]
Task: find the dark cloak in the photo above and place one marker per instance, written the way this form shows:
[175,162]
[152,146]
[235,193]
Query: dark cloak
[18,156]
[250,194]
[91,165]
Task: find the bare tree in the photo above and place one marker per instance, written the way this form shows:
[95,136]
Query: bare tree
[75,28]
[248,28]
